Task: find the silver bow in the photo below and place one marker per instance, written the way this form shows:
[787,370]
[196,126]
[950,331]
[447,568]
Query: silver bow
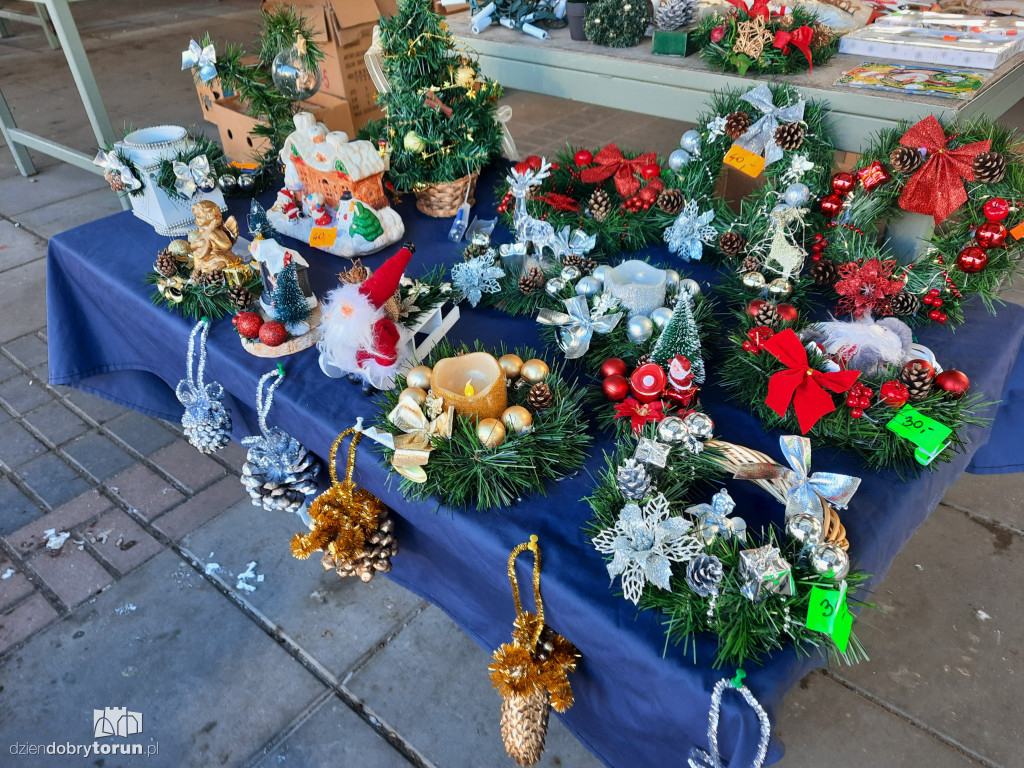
[760,137]
[804,494]
[197,174]
[578,326]
[204,58]
[714,518]
[575,242]
[111,163]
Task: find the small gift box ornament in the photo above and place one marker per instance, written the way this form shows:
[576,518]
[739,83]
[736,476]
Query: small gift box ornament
[532,672]
[765,572]
[350,525]
[206,422]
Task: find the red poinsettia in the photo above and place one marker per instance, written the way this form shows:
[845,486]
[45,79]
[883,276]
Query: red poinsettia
[867,287]
[639,413]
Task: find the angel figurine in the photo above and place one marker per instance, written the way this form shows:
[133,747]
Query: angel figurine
[212,241]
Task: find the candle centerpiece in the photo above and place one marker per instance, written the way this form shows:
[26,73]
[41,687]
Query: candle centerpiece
[474,384]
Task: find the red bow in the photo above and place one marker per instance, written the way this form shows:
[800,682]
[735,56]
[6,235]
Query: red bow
[801,384]
[800,38]
[937,188]
[610,162]
[759,8]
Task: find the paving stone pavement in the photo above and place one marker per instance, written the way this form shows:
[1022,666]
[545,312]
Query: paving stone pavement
[139,606]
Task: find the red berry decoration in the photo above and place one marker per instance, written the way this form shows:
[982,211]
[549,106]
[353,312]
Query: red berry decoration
[972,260]
[942,317]
[273,333]
[991,234]
[533,162]
[613,366]
[786,312]
[996,209]
[748,346]
[584,158]
[650,171]
[754,306]
[953,382]
[894,394]
[248,324]
[648,382]
[843,182]
[831,205]
[856,413]
[522,167]
[615,388]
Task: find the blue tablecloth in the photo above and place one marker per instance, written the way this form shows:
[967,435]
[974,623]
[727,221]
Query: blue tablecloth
[634,706]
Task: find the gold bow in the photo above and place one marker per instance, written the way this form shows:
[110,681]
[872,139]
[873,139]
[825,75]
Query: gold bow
[171,288]
[413,448]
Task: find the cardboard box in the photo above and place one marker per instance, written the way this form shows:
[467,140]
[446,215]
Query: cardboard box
[344,29]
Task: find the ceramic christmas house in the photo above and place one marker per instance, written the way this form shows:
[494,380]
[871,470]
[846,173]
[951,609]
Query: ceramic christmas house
[333,196]
[273,258]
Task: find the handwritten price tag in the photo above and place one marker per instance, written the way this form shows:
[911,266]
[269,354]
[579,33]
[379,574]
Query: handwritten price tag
[323,237]
[927,434]
[827,612]
[744,161]
[1018,231]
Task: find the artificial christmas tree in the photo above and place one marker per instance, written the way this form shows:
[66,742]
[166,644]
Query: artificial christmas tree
[680,337]
[290,308]
[365,224]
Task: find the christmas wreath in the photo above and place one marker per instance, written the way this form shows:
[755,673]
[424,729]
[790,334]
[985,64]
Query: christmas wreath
[525,428]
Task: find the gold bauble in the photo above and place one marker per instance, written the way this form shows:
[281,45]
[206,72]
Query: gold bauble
[511,365]
[416,474]
[180,249]
[419,376]
[753,281]
[413,142]
[416,393]
[780,289]
[490,432]
[534,371]
[517,419]
[464,77]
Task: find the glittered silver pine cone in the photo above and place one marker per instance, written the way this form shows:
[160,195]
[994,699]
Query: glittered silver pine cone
[524,725]
[632,480]
[376,555]
[704,574]
[673,14]
[279,472]
[208,437]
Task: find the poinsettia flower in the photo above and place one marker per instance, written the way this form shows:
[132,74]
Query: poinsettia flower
[639,413]
[717,34]
[867,287]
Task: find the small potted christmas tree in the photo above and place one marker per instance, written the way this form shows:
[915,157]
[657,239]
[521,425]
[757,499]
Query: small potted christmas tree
[440,123]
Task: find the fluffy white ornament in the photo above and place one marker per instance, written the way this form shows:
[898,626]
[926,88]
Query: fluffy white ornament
[870,345]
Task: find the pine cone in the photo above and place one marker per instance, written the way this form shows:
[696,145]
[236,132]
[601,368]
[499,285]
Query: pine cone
[632,480]
[904,304]
[532,280]
[766,314]
[599,205]
[242,297]
[704,574]
[671,201]
[822,37]
[918,379]
[205,279]
[789,136]
[279,472]
[166,264]
[905,160]
[208,438]
[673,14]
[539,397]
[989,167]
[524,725]
[751,264]
[644,359]
[824,272]
[376,555]
[114,180]
[736,124]
[732,243]
[584,264]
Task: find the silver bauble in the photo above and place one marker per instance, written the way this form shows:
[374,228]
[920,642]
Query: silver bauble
[672,430]
[601,272]
[671,282]
[780,289]
[678,159]
[796,194]
[700,425]
[246,182]
[753,281]
[661,316]
[639,329]
[570,273]
[227,183]
[690,287]
[588,286]
[292,77]
[805,529]
[554,286]
[690,141]
[829,560]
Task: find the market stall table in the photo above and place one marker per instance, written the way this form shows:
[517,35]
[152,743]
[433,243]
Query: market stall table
[638,702]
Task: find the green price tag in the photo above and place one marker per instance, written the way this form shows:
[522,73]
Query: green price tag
[825,607]
[927,434]
[841,631]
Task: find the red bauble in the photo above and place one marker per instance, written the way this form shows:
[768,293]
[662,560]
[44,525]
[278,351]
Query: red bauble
[534,162]
[894,393]
[996,209]
[972,259]
[843,182]
[273,333]
[831,205]
[648,382]
[648,195]
[650,171]
[786,312]
[953,382]
[584,158]
[991,234]
[754,306]
[615,388]
[248,324]
[613,366]
[925,365]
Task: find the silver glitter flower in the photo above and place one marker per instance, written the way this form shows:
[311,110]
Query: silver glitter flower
[716,128]
[691,230]
[645,542]
[476,277]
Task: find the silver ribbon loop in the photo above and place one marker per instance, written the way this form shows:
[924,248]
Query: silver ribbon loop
[760,137]
[111,163]
[577,325]
[204,58]
[193,176]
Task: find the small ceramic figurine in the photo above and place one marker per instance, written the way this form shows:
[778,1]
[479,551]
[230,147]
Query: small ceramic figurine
[212,241]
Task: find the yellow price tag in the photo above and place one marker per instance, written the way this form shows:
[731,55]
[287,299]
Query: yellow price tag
[323,237]
[744,161]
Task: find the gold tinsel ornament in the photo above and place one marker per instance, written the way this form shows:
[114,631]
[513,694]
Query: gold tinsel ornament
[350,525]
[532,672]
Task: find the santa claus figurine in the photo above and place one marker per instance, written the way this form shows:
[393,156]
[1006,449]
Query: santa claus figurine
[316,209]
[356,336]
[288,203]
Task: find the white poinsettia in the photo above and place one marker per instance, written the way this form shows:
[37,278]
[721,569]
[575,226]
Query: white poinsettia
[644,543]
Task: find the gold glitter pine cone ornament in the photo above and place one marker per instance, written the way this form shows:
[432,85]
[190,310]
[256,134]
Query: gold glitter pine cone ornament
[532,672]
[350,525]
